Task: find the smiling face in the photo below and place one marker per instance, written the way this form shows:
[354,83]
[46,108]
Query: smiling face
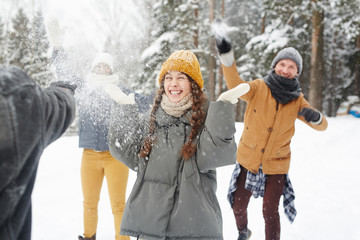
[102,69]
[286,68]
[176,85]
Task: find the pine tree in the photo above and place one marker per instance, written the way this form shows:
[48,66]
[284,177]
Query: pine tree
[348,23]
[28,45]
[174,25]
[19,46]
[39,66]
[288,23]
[2,42]
[282,26]
[244,17]
[337,76]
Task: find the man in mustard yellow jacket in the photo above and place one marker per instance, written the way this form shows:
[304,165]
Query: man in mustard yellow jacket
[263,155]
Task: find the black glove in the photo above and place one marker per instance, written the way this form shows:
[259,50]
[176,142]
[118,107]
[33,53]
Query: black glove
[310,115]
[64,84]
[223,45]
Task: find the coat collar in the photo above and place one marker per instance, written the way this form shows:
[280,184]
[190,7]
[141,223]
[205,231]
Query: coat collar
[163,119]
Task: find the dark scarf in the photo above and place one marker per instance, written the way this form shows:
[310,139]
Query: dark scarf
[283,89]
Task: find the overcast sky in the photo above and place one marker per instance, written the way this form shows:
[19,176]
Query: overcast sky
[85,20]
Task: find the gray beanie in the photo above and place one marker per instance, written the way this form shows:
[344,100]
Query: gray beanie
[288,53]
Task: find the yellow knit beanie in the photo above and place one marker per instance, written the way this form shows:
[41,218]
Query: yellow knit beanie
[183,61]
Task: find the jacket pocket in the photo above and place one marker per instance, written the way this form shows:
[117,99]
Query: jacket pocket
[281,154]
[209,184]
[251,146]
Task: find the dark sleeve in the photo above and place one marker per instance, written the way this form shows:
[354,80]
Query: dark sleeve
[59,112]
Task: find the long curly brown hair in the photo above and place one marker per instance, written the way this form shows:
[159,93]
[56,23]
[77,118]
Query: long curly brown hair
[197,118]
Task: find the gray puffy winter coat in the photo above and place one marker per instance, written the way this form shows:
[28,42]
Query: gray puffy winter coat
[30,119]
[173,198]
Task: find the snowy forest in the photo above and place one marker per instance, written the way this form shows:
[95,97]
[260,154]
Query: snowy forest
[142,34]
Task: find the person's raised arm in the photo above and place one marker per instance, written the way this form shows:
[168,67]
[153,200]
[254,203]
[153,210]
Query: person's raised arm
[126,96]
[60,59]
[217,144]
[226,55]
[59,109]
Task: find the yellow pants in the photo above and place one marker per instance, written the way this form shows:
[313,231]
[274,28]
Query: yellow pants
[94,165]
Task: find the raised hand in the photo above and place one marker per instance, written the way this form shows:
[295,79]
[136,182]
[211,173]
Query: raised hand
[223,45]
[219,30]
[233,95]
[118,95]
[56,34]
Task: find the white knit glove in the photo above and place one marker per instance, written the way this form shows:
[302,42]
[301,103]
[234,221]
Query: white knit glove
[233,95]
[119,96]
[55,33]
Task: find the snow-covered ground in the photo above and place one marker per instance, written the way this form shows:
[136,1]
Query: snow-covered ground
[324,172]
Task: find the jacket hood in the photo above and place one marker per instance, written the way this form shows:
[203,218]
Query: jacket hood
[12,78]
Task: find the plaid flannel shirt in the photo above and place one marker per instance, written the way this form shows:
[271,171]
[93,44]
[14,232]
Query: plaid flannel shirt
[256,184]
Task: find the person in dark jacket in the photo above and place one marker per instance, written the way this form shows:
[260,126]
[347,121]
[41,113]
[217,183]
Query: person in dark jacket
[175,150]
[263,156]
[30,119]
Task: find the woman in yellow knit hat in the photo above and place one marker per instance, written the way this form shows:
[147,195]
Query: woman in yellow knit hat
[175,150]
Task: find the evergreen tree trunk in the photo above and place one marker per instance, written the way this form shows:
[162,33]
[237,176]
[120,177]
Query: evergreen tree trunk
[196,31]
[333,82]
[317,64]
[263,23]
[357,69]
[221,76]
[212,63]
[2,43]
[220,80]
[223,8]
